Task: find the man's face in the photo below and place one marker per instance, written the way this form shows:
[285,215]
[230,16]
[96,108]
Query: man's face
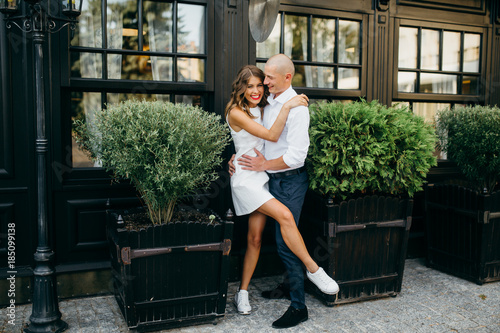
[276,82]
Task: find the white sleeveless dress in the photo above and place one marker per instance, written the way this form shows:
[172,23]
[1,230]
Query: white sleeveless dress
[249,189]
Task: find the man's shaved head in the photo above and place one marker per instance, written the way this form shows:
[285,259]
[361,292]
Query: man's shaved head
[282,63]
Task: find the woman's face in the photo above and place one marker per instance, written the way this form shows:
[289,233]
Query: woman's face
[254,91]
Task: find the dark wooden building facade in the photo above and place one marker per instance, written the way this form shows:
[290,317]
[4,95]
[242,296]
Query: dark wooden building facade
[429,54]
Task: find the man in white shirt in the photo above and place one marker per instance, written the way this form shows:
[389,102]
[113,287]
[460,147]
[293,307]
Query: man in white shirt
[288,182]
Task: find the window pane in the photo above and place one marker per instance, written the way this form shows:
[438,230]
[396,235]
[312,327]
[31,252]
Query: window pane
[348,78]
[139,67]
[191,29]
[296,37]
[401,105]
[471,52]
[84,105]
[157,26]
[115,98]
[349,42]
[407,81]
[313,77]
[271,45]
[121,26]
[190,70]
[89,28]
[429,58]
[188,99]
[323,39]
[115,66]
[428,110]
[343,101]
[451,51]
[408,45]
[317,101]
[470,85]
[438,83]
[86,65]
[162,68]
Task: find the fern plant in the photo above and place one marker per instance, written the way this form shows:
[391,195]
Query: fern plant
[471,138]
[166,150]
[365,147]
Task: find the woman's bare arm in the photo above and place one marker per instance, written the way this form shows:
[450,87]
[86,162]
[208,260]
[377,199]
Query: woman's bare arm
[238,120]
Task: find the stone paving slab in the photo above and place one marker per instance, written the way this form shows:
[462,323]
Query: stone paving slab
[430,301]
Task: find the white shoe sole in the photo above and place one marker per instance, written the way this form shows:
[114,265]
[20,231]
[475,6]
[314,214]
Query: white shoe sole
[241,312]
[245,313]
[324,292]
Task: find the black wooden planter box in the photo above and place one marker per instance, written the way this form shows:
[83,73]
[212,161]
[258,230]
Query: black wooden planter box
[170,275]
[360,243]
[463,232]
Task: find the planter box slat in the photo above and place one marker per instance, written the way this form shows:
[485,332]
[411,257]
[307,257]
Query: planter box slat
[463,229]
[173,301]
[172,289]
[377,279]
[360,243]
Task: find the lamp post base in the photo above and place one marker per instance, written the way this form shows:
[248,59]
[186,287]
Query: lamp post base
[45,316]
[54,327]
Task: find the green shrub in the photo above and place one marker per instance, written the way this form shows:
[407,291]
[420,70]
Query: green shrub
[365,147]
[167,150]
[471,138]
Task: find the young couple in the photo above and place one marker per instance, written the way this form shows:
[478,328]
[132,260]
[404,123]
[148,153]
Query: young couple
[266,115]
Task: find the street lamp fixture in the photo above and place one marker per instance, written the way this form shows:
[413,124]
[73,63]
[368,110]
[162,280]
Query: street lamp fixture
[45,316]
[9,6]
[70,9]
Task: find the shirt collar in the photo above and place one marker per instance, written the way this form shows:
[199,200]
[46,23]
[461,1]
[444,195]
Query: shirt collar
[283,98]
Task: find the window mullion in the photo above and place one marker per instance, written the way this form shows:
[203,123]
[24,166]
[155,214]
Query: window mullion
[461,65]
[462,50]
[309,38]
[336,55]
[104,42]
[419,55]
[140,6]
[440,55]
[104,20]
[104,100]
[174,40]
[282,29]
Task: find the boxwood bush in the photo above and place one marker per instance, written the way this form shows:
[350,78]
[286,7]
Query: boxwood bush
[471,138]
[365,147]
[166,150]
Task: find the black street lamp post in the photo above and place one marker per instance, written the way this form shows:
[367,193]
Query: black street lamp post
[45,316]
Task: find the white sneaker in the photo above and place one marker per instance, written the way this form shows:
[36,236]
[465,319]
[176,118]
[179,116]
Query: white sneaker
[241,302]
[324,282]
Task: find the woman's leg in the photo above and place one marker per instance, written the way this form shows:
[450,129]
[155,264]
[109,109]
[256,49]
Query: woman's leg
[289,231]
[256,224]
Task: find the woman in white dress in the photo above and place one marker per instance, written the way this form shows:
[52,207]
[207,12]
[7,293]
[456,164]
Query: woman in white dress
[250,188]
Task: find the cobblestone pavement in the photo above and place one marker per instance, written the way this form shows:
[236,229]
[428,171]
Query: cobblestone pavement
[430,301]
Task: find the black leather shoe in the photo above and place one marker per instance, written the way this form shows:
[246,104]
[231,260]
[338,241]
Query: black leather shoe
[277,293]
[291,318]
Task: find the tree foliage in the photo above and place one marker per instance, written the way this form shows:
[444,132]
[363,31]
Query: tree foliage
[365,147]
[471,137]
[167,150]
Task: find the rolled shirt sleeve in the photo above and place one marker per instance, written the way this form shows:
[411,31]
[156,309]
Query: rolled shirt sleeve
[297,137]
[293,144]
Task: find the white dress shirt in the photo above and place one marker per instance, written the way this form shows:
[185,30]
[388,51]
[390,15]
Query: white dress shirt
[293,143]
